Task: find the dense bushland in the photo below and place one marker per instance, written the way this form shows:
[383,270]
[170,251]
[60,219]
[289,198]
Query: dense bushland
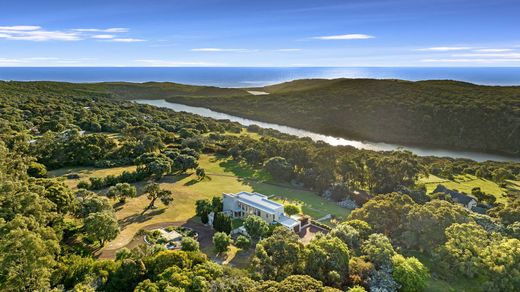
[49,232]
[446,114]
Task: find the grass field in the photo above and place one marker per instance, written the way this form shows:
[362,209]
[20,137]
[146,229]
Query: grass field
[465,183]
[86,172]
[260,181]
[223,176]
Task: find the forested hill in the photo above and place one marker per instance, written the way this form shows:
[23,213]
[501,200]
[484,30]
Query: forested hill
[155,90]
[434,113]
[86,174]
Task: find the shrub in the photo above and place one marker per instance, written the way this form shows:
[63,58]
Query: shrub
[201,173]
[37,170]
[221,241]
[84,185]
[290,209]
[279,168]
[222,222]
[410,273]
[189,244]
[357,288]
[256,227]
[122,191]
[243,242]
[123,253]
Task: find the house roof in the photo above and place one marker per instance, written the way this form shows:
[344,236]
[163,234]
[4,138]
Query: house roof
[258,201]
[479,210]
[288,222]
[455,195]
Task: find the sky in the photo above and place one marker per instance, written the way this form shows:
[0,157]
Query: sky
[266,33]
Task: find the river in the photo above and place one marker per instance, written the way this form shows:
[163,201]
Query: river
[336,141]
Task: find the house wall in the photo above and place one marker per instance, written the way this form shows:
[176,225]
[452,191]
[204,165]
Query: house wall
[471,204]
[249,210]
[229,203]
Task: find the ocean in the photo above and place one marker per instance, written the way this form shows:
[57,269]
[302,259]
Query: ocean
[257,76]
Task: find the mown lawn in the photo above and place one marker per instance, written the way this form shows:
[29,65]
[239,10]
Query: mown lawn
[465,183]
[223,176]
[259,181]
[310,203]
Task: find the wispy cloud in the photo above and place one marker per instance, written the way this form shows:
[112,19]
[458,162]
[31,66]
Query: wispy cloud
[445,49]
[9,62]
[172,63]
[243,50]
[222,50]
[108,30]
[44,61]
[41,58]
[19,27]
[354,36]
[493,50]
[126,40]
[103,36]
[472,60]
[489,55]
[37,33]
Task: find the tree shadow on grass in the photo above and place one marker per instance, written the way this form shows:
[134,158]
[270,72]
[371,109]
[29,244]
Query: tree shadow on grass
[118,206]
[169,179]
[512,187]
[64,171]
[192,182]
[140,218]
[238,169]
[196,180]
[217,157]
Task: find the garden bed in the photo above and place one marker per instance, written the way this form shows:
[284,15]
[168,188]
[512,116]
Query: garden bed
[170,236]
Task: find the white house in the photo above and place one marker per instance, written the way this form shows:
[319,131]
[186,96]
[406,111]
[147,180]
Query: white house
[243,204]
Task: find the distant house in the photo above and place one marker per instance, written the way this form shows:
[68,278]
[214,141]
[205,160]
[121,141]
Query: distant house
[360,197]
[243,204]
[457,197]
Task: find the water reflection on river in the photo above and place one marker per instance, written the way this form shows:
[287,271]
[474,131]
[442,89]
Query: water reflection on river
[421,151]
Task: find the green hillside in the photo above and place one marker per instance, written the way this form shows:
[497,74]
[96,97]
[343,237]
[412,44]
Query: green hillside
[95,191]
[148,90]
[434,113]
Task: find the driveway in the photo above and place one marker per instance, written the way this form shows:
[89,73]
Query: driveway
[205,236]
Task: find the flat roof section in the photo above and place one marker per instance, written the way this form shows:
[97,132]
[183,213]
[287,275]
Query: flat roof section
[258,201]
[288,222]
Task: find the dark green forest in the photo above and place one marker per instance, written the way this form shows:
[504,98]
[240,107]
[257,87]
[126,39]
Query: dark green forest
[447,114]
[398,239]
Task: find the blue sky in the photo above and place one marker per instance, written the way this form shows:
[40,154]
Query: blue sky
[260,33]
